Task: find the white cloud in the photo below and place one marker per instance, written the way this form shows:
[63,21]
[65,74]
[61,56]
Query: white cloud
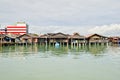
[55,29]
[60,12]
[64,15]
[107,30]
[113,29]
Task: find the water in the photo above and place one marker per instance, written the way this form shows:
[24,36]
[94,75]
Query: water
[61,63]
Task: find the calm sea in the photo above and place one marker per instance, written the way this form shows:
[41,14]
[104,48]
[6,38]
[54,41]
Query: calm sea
[61,63]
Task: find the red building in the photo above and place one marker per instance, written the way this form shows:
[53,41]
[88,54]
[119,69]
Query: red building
[19,28]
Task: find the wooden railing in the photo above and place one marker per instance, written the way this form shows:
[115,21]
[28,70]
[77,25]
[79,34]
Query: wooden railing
[98,41]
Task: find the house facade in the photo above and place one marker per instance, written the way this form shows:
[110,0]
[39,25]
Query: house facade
[52,38]
[28,39]
[115,40]
[97,39]
[77,39]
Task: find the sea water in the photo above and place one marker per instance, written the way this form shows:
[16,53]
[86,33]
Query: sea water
[36,62]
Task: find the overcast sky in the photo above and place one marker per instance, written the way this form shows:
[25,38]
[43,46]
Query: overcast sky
[68,16]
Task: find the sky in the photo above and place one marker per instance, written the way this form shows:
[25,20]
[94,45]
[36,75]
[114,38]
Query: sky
[67,16]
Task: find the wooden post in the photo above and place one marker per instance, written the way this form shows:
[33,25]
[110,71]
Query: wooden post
[1,40]
[46,41]
[49,42]
[74,44]
[89,44]
[80,45]
[53,42]
[71,42]
[67,43]
[61,43]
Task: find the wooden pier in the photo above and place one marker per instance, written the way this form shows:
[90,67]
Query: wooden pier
[52,38]
[73,40]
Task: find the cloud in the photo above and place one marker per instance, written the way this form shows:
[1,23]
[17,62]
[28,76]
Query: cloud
[60,12]
[113,29]
[107,30]
[64,15]
[55,29]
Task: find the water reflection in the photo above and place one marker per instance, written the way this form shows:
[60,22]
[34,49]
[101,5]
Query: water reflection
[6,51]
[96,50]
[43,63]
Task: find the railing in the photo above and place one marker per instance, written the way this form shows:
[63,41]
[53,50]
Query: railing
[98,41]
[116,41]
[58,40]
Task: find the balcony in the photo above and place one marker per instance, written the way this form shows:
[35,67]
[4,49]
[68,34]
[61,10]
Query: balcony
[99,41]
